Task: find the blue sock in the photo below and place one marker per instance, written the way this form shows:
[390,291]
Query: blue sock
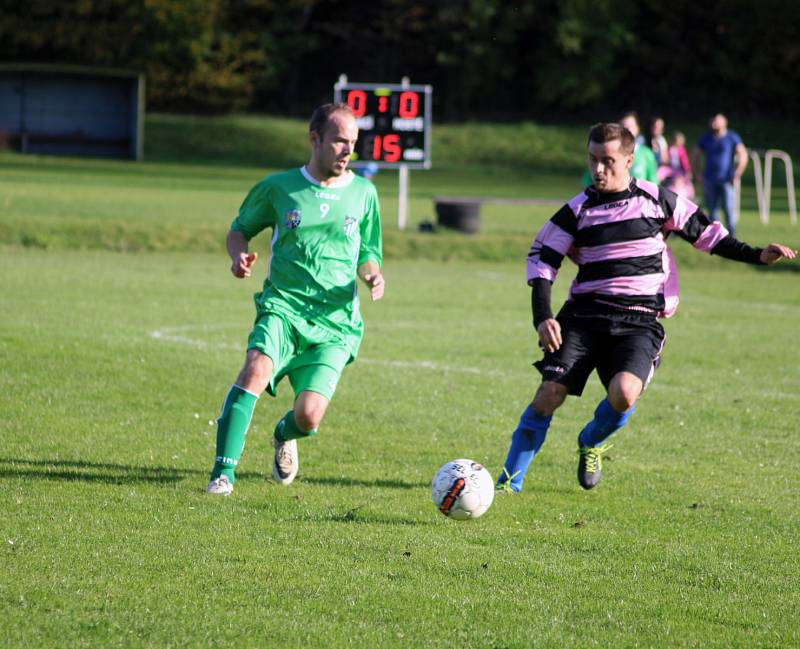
[606,421]
[526,441]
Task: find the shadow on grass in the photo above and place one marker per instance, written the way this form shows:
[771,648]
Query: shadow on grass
[115,473]
[355,482]
[105,472]
[358,516]
[781,267]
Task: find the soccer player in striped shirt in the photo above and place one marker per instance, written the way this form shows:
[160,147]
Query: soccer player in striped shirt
[326,231]
[615,231]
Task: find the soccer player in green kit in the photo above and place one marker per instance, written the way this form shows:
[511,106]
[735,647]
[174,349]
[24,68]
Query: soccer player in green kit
[326,231]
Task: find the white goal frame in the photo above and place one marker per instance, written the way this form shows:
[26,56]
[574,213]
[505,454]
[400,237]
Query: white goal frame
[763,183]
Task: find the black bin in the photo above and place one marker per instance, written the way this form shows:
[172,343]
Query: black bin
[462,214]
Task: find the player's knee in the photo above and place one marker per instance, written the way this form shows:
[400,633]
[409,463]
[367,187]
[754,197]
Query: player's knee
[624,392]
[307,421]
[622,402]
[308,414]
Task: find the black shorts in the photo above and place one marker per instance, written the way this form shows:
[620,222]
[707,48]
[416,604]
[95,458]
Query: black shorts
[609,343]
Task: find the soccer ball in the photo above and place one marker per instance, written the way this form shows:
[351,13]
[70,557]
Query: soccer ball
[462,489]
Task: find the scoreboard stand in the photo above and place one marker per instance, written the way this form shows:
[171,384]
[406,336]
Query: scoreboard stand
[394,124]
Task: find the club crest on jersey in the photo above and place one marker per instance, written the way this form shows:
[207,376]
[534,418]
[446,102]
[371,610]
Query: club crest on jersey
[292,218]
[350,226]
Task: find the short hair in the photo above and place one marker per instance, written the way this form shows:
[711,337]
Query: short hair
[322,115]
[609,131]
[630,113]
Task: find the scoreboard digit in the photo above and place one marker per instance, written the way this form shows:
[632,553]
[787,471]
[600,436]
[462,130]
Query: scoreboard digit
[394,123]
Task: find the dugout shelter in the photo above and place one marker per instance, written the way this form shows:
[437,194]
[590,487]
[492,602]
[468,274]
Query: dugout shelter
[72,110]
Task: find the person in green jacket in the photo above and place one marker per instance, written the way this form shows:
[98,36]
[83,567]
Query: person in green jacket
[645,165]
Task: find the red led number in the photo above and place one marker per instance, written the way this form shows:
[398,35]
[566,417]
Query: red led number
[409,104]
[391,143]
[357,100]
[383,104]
[387,147]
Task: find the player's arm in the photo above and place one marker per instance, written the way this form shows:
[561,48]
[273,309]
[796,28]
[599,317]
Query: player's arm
[370,251]
[690,223]
[731,248]
[241,260]
[549,248]
[370,273]
[546,325]
[255,214]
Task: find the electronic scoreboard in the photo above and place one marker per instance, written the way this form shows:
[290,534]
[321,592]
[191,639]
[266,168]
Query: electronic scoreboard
[394,123]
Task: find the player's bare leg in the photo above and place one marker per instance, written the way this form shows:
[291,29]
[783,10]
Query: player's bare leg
[256,373]
[302,421]
[549,398]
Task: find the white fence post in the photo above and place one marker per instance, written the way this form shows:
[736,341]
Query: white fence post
[762,212]
[770,155]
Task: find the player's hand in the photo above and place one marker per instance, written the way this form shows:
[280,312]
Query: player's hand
[775,251]
[550,334]
[376,285]
[243,264]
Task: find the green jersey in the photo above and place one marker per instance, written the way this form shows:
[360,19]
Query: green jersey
[645,165]
[320,235]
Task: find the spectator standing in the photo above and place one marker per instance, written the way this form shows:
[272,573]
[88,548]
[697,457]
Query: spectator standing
[658,143]
[725,162]
[645,165]
[678,175]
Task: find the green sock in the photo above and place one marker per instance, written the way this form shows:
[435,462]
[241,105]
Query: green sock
[232,425]
[287,429]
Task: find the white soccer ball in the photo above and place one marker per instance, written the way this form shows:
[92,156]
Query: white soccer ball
[462,489]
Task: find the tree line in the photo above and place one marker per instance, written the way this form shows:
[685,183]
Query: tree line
[486,59]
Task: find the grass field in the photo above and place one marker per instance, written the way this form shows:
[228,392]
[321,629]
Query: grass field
[114,365]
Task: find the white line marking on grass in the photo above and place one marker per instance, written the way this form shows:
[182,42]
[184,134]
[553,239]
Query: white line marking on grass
[173,335]
[424,365]
[695,299]
[691,389]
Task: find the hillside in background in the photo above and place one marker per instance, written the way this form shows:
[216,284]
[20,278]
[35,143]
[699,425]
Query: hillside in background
[276,142]
[197,170]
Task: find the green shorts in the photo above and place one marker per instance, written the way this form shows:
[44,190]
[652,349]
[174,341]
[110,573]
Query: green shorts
[312,357]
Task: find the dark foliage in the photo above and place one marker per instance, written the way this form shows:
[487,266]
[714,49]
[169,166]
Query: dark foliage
[485,58]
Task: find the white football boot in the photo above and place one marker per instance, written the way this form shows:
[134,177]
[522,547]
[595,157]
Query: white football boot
[285,464]
[220,486]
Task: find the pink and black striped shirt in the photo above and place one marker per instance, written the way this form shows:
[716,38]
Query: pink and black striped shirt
[618,241]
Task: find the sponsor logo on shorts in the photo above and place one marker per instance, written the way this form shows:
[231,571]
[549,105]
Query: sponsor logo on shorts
[292,218]
[554,368]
